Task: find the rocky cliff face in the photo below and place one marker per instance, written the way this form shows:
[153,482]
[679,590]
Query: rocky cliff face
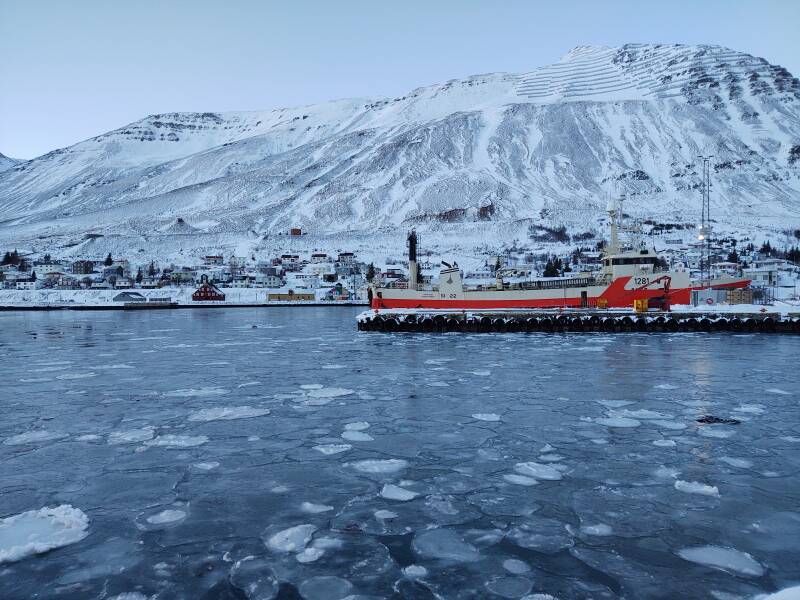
[544,147]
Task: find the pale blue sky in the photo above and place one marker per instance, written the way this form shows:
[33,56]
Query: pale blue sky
[73,69]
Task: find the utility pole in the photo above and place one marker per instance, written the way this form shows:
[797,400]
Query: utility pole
[705,222]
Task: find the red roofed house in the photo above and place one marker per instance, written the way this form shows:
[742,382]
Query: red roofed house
[207,291]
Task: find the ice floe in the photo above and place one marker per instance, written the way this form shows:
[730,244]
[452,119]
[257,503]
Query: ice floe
[255,578]
[325,587]
[520,479]
[292,539]
[515,566]
[312,508]
[203,392]
[444,544]
[166,516]
[600,529]
[739,463]
[618,422]
[778,392]
[227,413]
[206,466]
[509,587]
[695,487]
[664,443]
[491,417]
[33,437]
[329,449]
[38,531]
[790,593]
[131,436]
[177,441]
[377,465]
[538,471]
[356,426]
[725,559]
[415,571]
[394,492]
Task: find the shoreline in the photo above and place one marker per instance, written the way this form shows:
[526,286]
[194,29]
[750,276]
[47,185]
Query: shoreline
[146,306]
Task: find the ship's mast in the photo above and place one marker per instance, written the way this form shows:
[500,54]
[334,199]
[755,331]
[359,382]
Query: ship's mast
[614,210]
[704,234]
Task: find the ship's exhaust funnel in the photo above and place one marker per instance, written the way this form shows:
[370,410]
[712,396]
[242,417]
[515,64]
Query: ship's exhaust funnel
[412,260]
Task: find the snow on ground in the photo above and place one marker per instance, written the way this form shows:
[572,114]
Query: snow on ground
[37,531]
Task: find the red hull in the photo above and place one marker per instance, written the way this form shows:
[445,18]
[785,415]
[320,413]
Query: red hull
[615,295]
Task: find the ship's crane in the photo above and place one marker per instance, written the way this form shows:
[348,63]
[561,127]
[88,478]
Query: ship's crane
[665,298]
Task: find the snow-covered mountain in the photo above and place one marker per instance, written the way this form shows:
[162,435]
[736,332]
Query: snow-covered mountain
[6,162]
[480,158]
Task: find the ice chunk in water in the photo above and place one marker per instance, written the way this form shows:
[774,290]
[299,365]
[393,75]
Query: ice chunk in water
[541,534]
[388,465]
[538,471]
[255,577]
[665,443]
[227,413]
[177,441]
[415,571]
[725,559]
[356,426]
[206,466]
[444,544]
[203,392]
[131,436]
[695,487]
[739,463]
[314,509]
[37,531]
[31,437]
[791,593]
[618,422]
[779,392]
[325,588]
[520,479]
[292,539]
[509,587]
[309,555]
[517,567]
[600,529]
[393,492]
[329,392]
[329,449]
[166,516]
[490,417]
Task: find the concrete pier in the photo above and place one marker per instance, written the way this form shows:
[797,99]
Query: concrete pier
[524,321]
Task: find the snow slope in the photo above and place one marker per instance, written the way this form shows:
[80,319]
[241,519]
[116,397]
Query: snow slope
[480,157]
[6,162]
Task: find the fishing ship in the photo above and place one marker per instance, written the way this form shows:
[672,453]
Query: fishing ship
[630,276]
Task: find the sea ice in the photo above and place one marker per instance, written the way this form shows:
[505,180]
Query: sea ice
[444,544]
[666,386]
[329,392]
[255,578]
[674,425]
[37,531]
[618,422]
[203,392]
[665,443]
[311,386]
[206,466]
[131,436]
[538,471]
[388,465]
[515,566]
[482,373]
[385,514]
[393,492]
[325,587]
[520,479]
[491,417]
[310,507]
[166,516]
[415,571]
[177,441]
[695,487]
[725,559]
[739,463]
[293,539]
[309,555]
[600,529]
[227,413]
[32,437]
[329,449]
[509,587]
[357,436]
[356,426]
[790,593]
[541,534]
[778,392]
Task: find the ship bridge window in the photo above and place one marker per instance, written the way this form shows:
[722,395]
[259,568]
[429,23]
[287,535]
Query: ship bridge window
[643,260]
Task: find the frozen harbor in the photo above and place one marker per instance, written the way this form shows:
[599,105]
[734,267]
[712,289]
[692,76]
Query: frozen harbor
[278,453]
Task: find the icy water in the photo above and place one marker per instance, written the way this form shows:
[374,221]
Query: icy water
[280,453]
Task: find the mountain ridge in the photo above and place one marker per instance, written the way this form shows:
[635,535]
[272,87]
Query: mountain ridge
[547,146]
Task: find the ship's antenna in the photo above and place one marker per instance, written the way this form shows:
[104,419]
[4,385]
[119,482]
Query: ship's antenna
[705,223]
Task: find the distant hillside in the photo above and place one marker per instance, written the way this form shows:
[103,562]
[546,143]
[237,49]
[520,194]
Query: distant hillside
[487,156]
